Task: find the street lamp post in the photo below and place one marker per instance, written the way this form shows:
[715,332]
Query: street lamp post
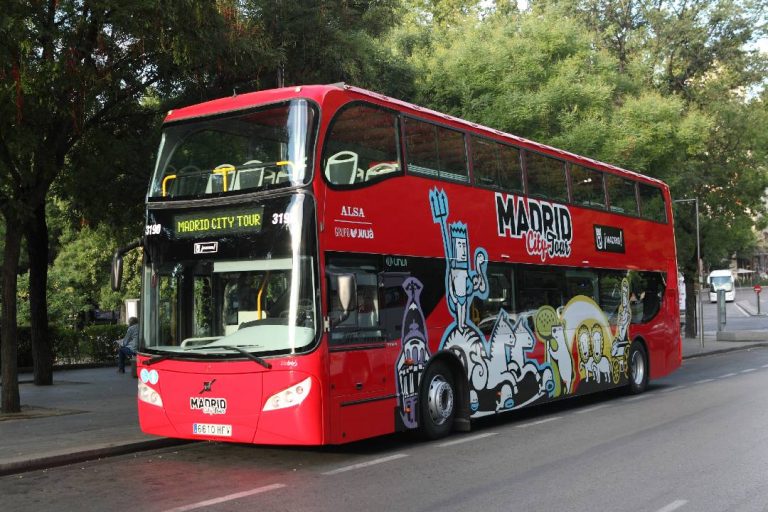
[700,321]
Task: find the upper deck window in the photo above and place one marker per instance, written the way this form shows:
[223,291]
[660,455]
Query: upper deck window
[496,165]
[361,146]
[587,187]
[546,176]
[435,151]
[261,149]
[621,194]
[652,203]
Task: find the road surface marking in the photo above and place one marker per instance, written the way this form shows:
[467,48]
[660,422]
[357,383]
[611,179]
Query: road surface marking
[365,464]
[749,370]
[229,497]
[727,375]
[704,381]
[467,439]
[673,506]
[673,388]
[591,409]
[744,312]
[764,366]
[539,422]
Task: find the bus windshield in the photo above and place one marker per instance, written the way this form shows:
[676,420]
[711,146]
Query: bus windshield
[260,149]
[241,275]
[722,283]
[204,306]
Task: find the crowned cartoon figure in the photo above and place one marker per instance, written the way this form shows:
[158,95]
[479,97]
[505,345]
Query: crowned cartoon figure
[462,283]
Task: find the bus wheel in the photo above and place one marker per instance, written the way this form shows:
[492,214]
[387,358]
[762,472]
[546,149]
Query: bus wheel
[437,401]
[638,368]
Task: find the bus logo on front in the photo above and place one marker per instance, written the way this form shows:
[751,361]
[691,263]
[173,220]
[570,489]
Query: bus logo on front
[206,248]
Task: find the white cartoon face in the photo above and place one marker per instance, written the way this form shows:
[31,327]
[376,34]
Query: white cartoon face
[584,341]
[461,249]
[597,340]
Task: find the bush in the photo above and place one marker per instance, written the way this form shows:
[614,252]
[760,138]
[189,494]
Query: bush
[97,342]
[94,344]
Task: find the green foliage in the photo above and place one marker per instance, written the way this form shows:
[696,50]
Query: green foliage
[97,342]
[94,344]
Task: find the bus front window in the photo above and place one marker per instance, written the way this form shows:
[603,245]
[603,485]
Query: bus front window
[263,306]
[258,150]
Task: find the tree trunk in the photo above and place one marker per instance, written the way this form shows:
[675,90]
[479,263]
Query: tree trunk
[37,248]
[8,331]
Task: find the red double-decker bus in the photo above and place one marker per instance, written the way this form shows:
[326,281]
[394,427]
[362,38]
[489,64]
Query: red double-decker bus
[324,264]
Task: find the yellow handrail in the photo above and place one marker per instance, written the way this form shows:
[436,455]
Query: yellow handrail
[258,297]
[223,170]
[166,180]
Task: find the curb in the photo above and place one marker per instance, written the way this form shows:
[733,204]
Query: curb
[63,459]
[725,350]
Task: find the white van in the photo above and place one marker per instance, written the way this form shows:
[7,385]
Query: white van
[721,280]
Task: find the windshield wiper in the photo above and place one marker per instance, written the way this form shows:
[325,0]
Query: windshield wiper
[157,359]
[247,354]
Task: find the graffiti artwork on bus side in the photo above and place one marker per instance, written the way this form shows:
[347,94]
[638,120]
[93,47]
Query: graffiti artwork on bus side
[503,374]
[414,354]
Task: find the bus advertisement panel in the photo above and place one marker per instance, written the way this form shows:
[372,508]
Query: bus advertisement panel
[322,278]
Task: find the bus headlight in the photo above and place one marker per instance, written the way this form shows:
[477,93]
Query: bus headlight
[149,395]
[290,397]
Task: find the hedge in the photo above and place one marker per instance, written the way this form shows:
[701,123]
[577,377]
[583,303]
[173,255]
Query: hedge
[94,344]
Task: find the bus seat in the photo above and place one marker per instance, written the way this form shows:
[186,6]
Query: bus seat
[215,183]
[249,177]
[341,168]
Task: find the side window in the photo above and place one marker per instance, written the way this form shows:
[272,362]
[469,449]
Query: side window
[435,151]
[540,287]
[546,177]
[587,187]
[496,165]
[354,304]
[361,146]
[644,295]
[621,194]
[501,285]
[581,282]
[652,203]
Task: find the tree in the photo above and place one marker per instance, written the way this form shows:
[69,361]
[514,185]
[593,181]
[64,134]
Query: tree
[69,68]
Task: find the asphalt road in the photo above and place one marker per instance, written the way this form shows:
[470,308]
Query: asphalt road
[696,441]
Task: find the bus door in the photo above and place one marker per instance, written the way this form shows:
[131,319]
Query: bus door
[361,360]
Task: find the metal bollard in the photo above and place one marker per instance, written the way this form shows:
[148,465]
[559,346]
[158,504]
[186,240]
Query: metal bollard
[721,319]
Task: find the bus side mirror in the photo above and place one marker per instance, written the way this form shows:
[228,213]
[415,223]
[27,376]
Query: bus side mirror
[116,276]
[117,271]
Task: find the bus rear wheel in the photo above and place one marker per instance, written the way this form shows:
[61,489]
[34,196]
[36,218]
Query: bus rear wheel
[638,368]
[437,401]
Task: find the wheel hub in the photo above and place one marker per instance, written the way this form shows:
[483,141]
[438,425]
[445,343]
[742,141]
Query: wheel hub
[440,399]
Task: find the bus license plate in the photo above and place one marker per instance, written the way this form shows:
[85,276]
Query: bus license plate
[211,429]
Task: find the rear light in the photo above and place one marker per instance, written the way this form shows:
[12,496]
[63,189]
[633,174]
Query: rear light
[149,395]
[290,397]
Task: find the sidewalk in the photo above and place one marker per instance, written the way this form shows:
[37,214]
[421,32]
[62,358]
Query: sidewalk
[91,413]
[86,414]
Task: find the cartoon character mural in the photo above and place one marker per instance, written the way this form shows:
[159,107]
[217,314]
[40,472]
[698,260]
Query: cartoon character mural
[550,329]
[414,354]
[579,345]
[501,374]
[620,346]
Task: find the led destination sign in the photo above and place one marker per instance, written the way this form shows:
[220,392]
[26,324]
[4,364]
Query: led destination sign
[218,222]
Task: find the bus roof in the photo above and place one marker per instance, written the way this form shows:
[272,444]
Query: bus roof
[318,93]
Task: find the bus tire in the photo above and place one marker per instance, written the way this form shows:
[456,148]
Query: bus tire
[638,368]
[437,402]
